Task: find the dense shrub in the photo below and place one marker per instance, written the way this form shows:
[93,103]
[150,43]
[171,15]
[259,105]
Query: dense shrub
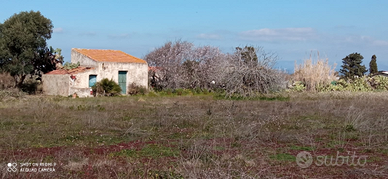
[6,81]
[359,84]
[299,86]
[134,89]
[32,85]
[10,93]
[379,82]
[106,87]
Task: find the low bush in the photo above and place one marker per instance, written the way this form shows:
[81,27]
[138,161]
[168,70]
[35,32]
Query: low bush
[134,89]
[106,87]
[359,84]
[376,83]
[181,91]
[10,93]
[379,82]
[152,94]
[299,86]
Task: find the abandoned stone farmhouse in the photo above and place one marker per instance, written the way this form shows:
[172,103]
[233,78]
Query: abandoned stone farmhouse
[94,66]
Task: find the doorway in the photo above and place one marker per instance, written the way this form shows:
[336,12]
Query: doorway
[123,81]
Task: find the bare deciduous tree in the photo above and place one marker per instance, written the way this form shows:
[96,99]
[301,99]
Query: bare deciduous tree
[167,60]
[246,72]
[180,65]
[251,72]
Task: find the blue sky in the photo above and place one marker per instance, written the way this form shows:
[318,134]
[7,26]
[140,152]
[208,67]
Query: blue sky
[290,28]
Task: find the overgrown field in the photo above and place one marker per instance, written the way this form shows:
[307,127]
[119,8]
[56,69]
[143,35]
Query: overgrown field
[195,136]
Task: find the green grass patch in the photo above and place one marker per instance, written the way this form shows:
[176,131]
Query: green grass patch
[148,151]
[304,148]
[283,157]
[221,96]
[384,151]
[219,148]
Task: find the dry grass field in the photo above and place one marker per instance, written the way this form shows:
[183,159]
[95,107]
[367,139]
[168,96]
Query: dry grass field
[196,136]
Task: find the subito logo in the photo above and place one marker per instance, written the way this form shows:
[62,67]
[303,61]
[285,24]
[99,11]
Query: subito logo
[304,159]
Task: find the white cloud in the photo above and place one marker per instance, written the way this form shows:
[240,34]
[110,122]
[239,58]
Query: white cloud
[209,36]
[58,30]
[288,34]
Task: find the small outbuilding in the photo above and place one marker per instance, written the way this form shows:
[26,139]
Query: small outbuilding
[383,73]
[94,66]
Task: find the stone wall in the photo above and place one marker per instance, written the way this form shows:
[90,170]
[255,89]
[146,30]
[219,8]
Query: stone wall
[81,92]
[63,85]
[56,84]
[82,59]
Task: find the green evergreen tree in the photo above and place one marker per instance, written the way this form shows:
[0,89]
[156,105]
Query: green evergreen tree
[23,47]
[352,67]
[373,65]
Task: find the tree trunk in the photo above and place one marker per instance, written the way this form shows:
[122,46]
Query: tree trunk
[20,82]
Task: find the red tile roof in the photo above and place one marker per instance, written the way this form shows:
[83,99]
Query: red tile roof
[109,56]
[72,71]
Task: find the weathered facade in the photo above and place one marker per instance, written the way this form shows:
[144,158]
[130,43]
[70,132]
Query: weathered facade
[94,66]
